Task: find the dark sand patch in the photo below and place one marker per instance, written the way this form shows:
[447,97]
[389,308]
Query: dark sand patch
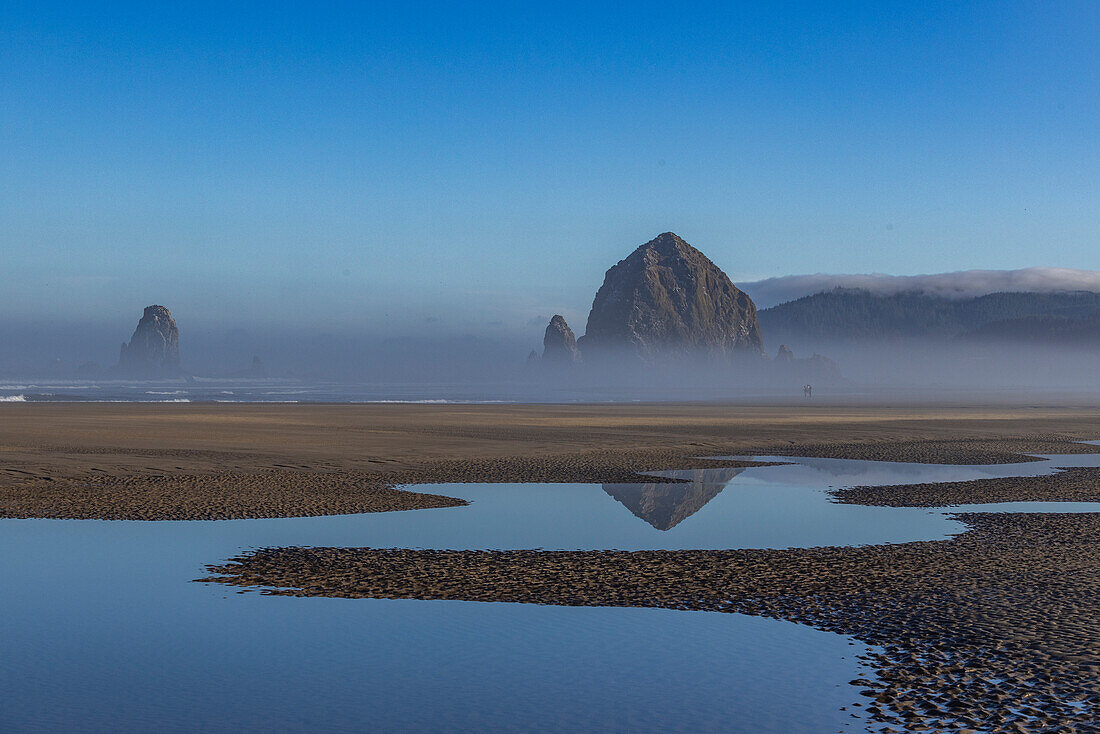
[1008,450]
[215,496]
[997,629]
[1074,484]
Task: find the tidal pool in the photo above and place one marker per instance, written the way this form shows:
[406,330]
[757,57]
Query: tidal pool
[101,630]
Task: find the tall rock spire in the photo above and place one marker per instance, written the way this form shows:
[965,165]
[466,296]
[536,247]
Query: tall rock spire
[559,345]
[154,349]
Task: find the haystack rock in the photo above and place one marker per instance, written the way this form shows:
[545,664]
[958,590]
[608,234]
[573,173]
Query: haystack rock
[154,349]
[559,345]
[667,299]
[784,354]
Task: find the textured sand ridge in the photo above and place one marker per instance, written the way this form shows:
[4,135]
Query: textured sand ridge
[1075,484]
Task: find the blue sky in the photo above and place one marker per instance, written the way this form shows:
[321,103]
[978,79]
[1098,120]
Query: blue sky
[474,166]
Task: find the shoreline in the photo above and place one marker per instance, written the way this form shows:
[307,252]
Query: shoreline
[202,462]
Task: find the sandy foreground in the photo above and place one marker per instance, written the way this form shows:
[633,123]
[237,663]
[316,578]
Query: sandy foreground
[997,629]
[196,461]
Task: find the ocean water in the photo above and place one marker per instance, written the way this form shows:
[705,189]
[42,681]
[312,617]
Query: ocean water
[517,388]
[286,390]
[249,390]
[102,628]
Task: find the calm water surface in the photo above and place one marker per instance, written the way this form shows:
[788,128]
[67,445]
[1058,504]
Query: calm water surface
[102,631]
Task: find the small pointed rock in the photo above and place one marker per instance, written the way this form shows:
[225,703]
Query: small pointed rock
[559,345]
[154,349]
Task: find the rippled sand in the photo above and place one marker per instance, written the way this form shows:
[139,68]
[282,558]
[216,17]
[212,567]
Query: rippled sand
[195,461]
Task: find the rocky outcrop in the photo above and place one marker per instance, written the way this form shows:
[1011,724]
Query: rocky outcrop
[559,346]
[154,349]
[667,299]
[818,369]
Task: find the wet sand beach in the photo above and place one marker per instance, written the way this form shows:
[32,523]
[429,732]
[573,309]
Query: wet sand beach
[992,630]
[203,461]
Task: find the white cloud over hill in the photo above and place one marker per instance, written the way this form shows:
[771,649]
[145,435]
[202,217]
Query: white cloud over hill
[959,284]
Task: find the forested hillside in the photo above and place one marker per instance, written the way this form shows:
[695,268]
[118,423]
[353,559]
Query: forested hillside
[859,315]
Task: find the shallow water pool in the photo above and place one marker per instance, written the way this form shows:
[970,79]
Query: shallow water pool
[758,507]
[101,631]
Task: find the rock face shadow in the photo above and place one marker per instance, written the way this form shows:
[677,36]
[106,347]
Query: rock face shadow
[663,505]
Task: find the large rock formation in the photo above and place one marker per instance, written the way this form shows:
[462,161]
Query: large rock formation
[667,299]
[559,346]
[154,349]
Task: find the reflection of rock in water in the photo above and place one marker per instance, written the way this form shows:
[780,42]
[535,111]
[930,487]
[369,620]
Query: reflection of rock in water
[665,505]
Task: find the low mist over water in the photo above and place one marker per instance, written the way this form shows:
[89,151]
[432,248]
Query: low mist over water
[492,367]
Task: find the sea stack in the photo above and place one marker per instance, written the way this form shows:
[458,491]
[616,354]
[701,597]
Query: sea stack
[668,300]
[154,349]
[559,345]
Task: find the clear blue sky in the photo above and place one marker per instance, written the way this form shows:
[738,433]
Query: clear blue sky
[465,164]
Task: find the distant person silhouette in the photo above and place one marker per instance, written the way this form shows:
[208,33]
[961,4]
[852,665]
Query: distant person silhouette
[808,391]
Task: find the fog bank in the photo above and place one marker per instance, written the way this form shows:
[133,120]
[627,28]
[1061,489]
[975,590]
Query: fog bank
[429,366]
